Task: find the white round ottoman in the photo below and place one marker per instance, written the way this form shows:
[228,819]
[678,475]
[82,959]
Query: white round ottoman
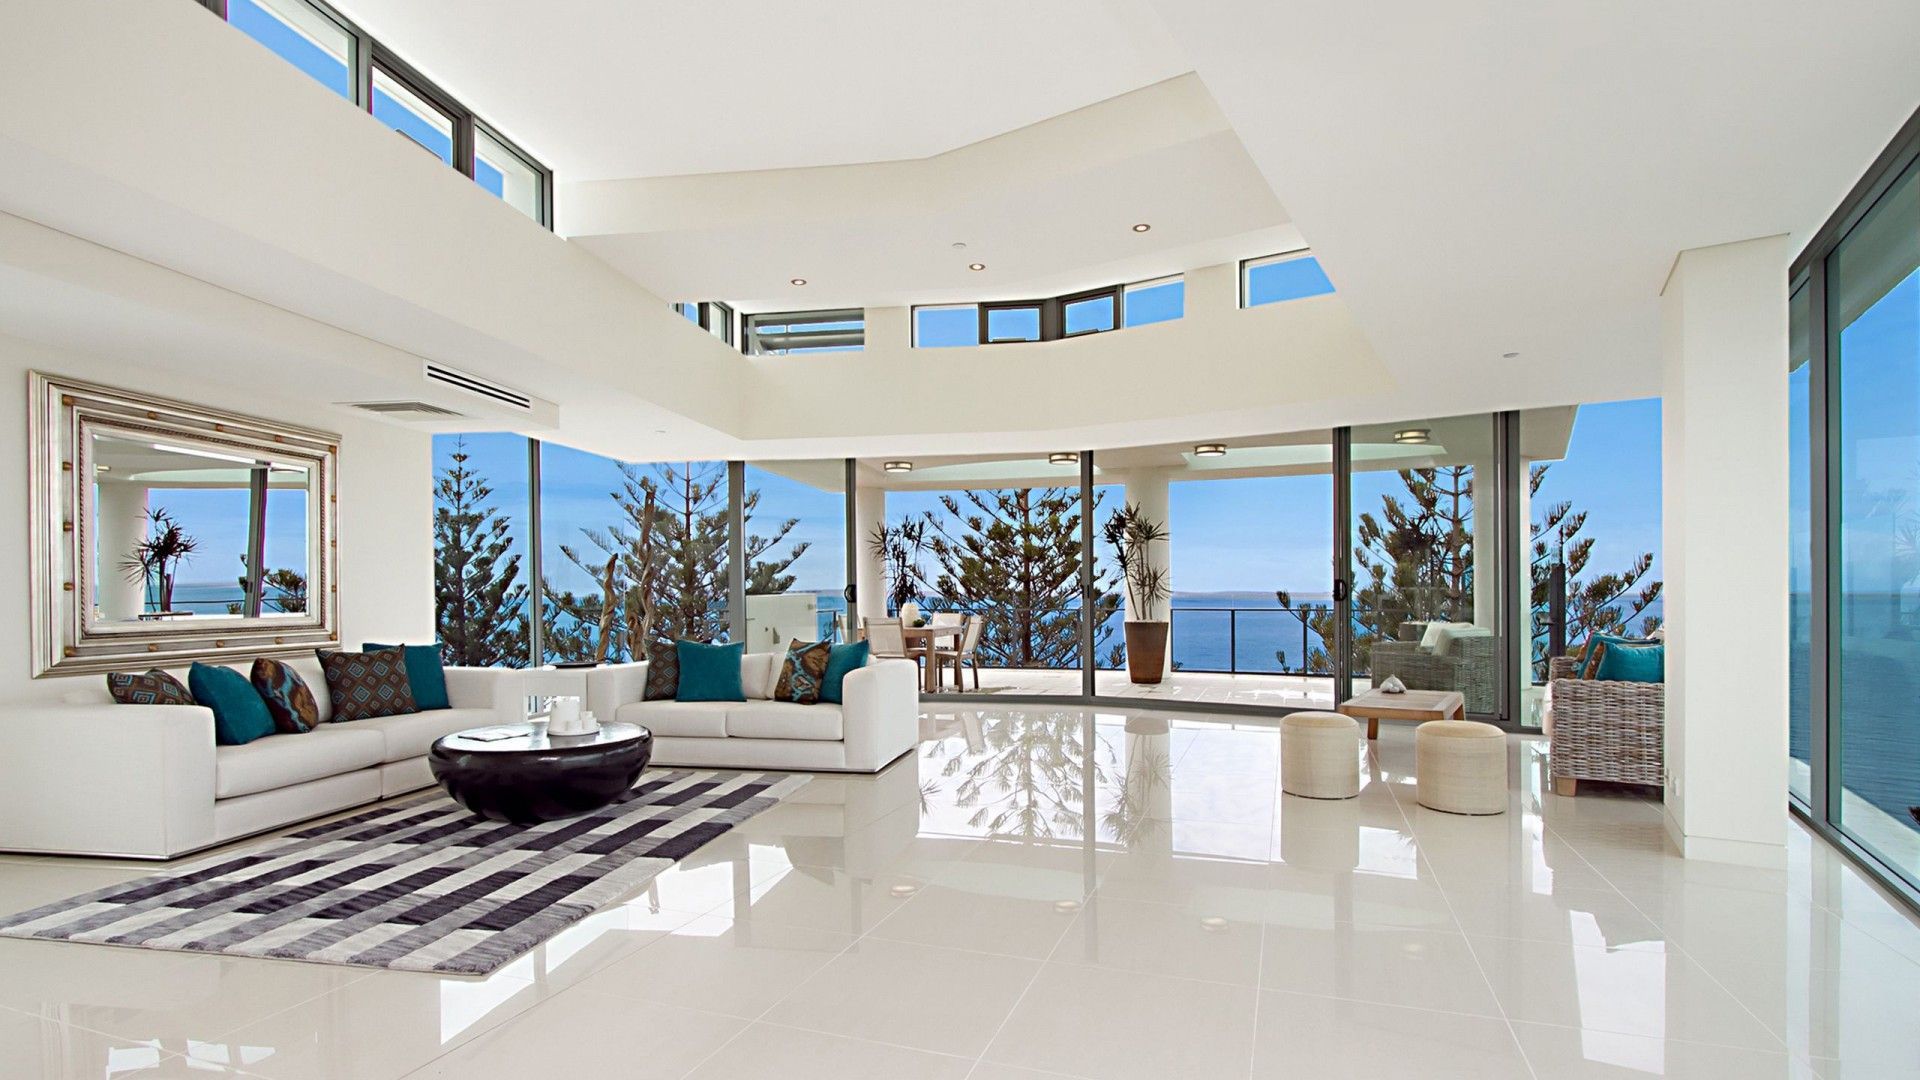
[1461,767]
[1319,755]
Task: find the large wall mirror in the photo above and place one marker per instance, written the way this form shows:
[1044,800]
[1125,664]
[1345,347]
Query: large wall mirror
[164,532]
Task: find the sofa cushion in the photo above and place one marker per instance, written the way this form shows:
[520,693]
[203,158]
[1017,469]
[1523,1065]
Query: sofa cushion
[784,720]
[239,716]
[1632,663]
[426,674]
[288,699]
[710,672]
[758,673]
[842,662]
[367,684]
[693,719]
[279,761]
[153,687]
[412,735]
[663,672]
[802,672]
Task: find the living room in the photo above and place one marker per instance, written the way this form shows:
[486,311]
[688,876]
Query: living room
[841,540]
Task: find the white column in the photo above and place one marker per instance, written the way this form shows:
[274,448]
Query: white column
[1486,541]
[122,518]
[1724,505]
[1148,488]
[869,513]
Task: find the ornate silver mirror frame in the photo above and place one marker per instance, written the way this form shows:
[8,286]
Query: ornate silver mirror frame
[71,635]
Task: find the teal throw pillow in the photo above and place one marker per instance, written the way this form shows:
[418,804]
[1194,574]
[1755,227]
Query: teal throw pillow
[709,672]
[239,714]
[426,674]
[1593,653]
[1633,663]
[843,659]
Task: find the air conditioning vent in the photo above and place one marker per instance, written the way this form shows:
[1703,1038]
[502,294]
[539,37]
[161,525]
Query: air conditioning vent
[401,409]
[474,384]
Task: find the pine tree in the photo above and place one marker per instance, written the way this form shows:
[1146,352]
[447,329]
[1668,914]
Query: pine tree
[1605,603]
[1014,555]
[479,604]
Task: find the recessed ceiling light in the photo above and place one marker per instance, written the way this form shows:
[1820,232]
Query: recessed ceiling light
[976,266]
[904,891]
[1063,459]
[1509,356]
[797,281]
[1413,435]
[1142,227]
[1210,449]
[898,466]
[1066,907]
[1213,924]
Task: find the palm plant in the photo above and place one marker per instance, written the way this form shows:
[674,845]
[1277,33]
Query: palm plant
[898,546]
[155,560]
[1129,531]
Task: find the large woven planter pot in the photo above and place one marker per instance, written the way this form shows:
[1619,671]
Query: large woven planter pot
[1146,651]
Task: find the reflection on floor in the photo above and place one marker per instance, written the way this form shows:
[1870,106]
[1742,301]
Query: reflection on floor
[1044,893]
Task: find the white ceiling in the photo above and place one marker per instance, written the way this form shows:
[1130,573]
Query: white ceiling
[623,88]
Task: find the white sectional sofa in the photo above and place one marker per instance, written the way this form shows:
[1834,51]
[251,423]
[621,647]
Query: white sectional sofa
[92,777]
[877,720]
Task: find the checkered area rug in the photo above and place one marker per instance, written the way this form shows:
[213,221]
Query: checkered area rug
[420,885]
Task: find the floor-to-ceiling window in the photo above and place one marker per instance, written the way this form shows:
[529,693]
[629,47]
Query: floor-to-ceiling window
[1854,394]
[1427,590]
[794,516]
[1591,511]
[482,571]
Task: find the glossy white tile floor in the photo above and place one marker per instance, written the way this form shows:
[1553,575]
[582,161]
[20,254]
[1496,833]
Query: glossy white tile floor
[1063,893]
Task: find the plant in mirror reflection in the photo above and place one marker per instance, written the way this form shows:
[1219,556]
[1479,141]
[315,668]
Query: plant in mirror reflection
[156,560]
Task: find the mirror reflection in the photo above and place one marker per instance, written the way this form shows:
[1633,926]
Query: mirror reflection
[188,532]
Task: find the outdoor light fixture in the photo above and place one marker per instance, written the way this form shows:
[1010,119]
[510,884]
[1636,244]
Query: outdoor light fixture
[1210,449]
[1142,227]
[797,281]
[1063,459]
[976,266]
[1413,435]
[898,466]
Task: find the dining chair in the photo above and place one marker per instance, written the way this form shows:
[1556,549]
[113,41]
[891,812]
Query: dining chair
[962,652]
[946,618]
[885,638]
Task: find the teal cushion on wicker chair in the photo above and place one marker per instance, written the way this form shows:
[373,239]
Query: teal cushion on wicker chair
[1632,663]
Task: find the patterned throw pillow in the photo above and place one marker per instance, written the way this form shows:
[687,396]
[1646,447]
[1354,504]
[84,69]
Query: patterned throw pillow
[368,684]
[287,697]
[663,672]
[154,687]
[803,672]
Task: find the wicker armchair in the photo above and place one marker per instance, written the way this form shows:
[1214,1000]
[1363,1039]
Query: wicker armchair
[1469,667]
[1605,730]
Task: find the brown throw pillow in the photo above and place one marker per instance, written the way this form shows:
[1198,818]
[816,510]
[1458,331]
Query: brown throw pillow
[153,687]
[663,672]
[288,699]
[1591,666]
[368,684]
[803,671]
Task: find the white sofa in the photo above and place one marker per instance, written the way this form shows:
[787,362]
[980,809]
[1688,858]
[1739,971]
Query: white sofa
[877,720]
[90,776]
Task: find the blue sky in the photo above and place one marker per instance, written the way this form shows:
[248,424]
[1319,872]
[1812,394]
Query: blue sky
[1251,535]
[217,518]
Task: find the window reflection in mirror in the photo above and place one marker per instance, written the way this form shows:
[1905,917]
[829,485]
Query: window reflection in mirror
[177,531]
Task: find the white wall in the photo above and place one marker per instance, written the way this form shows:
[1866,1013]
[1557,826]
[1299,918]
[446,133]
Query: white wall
[385,509]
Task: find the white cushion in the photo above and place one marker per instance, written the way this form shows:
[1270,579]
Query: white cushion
[1440,636]
[754,680]
[697,719]
[278,761]
[412,735]
[784,720]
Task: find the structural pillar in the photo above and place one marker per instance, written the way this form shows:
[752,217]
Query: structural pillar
[1724,534]
[122,517]
[870,583]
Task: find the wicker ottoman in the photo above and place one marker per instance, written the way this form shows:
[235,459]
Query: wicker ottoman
[1461,767]
[1319,755]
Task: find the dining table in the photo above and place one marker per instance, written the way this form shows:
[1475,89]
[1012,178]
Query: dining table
[923,640]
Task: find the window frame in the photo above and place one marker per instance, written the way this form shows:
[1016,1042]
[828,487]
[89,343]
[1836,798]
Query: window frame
[1112,295]
[1038,307]
[369,54]
[1247,266]
[749,328]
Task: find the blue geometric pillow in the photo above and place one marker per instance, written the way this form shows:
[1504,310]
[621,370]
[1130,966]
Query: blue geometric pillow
[426,674]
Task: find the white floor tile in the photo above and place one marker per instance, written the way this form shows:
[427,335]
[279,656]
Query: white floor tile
[943,1000]
[1302,1036]
[1117,1025]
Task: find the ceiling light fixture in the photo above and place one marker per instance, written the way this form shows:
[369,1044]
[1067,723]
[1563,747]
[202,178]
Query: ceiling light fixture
[1142,227]
[898,466]
[797,281]
[1413,435]
[1509,356]
[1210,449]
[976,266]
[1063,459]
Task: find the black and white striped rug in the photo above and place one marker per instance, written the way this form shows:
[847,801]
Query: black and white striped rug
[420,885]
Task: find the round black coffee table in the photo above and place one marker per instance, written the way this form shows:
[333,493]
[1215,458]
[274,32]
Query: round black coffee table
[529,777]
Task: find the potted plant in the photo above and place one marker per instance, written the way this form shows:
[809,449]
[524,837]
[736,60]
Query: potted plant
[155,560]
[1132,534]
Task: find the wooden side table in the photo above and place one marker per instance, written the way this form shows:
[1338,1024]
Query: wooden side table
[1416,705]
